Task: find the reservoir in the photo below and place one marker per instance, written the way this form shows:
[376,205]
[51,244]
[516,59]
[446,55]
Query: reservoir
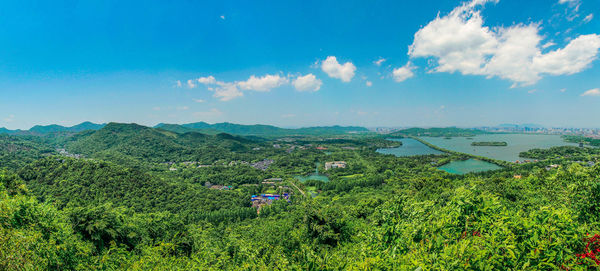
[516,143]
[467,166]
[410,147]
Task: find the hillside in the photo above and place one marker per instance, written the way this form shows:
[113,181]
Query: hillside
[260,129]
[78,182]
[155,145]
[16,151]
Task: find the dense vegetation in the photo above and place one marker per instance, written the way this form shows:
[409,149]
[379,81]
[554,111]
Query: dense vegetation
[581,139]
[489,143]
[139,200]
[571,152]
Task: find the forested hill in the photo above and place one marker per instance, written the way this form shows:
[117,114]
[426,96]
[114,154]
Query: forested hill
[79,182]
[260,129]
[54,128]
[18,151]
[438,132]
[133,141]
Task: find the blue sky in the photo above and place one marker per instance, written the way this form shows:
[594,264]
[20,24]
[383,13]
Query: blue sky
[301,63]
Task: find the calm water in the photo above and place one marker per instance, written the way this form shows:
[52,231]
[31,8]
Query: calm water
[317,177]
[516,143]
[409,147]
[471,165]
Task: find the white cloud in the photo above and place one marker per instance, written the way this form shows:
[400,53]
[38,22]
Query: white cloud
[379,61]
[344,72]
[265,83]
[368,83]
[574,58]
[191,83]
[286,116]
[588,18]
[222,17]
[592,92]
[548,44]
[307,82]
[226,91]
[183,108]
[563,89]
[403,73]
[199,100]
[178,84]
[208,80]
[567,1]
[156,108]
[461,43]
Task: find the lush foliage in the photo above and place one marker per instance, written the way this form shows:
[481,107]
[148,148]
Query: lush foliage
[123,208]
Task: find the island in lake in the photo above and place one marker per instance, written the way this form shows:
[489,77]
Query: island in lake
[490,143]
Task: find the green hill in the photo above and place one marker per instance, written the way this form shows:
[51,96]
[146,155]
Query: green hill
[259,129]
[133,141]
[78,182]
[54,128]
[16,151]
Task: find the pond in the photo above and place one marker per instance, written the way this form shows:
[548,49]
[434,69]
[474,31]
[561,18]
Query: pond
[410,147]
[314,176]
[467,166]
[516,143]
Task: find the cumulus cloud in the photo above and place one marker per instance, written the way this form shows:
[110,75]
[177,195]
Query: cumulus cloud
[265,83]
[307,82]
[178,84]
[459,42]
[334,69]
[403,73]
[226,91]
[368,83]
[592,92]
[207,80]
[588,18]
[379,61]
[191,83]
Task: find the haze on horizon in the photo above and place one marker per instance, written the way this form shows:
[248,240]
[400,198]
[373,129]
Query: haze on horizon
[301,63]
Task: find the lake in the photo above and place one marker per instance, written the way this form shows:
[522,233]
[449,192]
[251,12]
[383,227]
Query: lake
[516,143]
[467,166]
[410,147]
